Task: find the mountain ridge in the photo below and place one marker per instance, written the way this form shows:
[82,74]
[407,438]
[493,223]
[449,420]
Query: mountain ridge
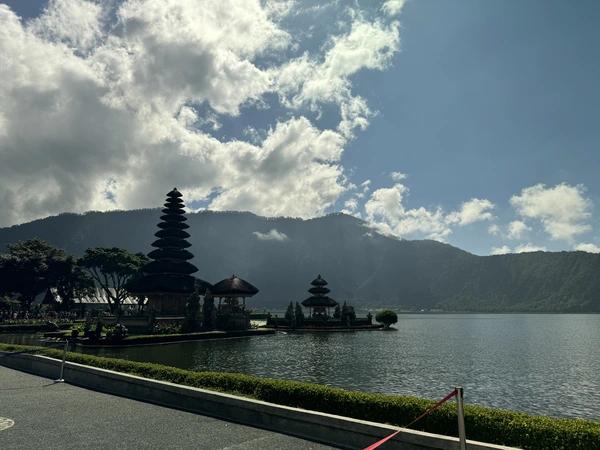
[362,266]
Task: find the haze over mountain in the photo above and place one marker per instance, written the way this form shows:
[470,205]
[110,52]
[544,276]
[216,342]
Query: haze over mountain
[282,255]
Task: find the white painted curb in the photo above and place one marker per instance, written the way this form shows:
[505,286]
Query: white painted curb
[337,431]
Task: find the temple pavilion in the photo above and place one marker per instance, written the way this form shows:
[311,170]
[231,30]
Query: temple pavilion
[167,280]
[319,303]
[231,289]
[232,315]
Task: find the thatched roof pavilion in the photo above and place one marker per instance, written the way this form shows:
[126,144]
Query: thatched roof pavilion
[233,288]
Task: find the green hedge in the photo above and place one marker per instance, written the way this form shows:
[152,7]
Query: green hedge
[483,424]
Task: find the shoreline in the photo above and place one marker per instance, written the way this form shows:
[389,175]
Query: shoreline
[145,340]
[500,426]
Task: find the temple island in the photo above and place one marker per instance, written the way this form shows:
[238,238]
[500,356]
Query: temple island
[320,317]
[166,298]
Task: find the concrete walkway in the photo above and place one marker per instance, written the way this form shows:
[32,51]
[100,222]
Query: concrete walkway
[60,416]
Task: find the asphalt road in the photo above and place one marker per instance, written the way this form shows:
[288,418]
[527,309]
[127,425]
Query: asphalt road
[49,415]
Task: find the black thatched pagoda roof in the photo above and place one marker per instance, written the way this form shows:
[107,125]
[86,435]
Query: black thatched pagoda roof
[319,301]
[169,271]
[319,281]
[319,290]
[233,286]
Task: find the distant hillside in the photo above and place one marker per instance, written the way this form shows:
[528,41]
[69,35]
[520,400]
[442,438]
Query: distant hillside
[361,266]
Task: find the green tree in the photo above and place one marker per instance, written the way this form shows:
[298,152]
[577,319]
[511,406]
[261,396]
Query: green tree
[337,313]
[111,269]
[387,317]
[71,281]
[27,269]
[289,313]
[299,315]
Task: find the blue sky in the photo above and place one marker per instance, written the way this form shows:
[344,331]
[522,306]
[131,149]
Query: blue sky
[470,100]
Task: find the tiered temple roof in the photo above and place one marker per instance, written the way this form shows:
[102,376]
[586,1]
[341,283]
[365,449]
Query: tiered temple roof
[170,270]
[319,298]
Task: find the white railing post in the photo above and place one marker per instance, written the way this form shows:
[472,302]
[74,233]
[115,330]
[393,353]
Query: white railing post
[62,365]
[460,412]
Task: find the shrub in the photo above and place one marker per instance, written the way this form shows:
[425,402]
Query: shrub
[387,317]
[483,424]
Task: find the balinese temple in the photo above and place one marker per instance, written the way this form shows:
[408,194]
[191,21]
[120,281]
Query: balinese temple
[167,280]
[319,303]
[230,313]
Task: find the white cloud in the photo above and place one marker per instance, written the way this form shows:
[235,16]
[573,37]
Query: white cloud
[474,210]
[272,235]
[387,213]
[563,210]
[517,229]
[77,23]
[307,81]
[107,105]
[398,176]
[494,230]
[500,250]
[526,248]
[350,206]
[587,247]
[393,7]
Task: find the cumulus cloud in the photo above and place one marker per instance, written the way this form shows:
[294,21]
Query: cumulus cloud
[398,176]
[107,105]
[77,23]
[500,250]
[393,7]
[494,229]
[517,229]
[563,210]
[272,235]
[474,210]
[386,211]
[587,247]
[526,248]
[309,82]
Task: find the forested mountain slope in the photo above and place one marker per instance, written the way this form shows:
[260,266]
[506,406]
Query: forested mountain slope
[361,266]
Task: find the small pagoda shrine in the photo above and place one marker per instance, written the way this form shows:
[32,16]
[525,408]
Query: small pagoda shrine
[319,303]
[231,314]
[167,279]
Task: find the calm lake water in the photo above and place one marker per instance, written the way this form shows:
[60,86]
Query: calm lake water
[541,364]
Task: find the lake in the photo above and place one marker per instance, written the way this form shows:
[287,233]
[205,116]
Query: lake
[538,363]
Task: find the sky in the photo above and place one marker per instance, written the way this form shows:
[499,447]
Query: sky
[472,123]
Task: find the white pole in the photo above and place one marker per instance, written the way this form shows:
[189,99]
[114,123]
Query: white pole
[460,412]
[62,365]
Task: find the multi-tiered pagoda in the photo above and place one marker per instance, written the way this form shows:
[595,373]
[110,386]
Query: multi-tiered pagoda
[167,279]
[319,303]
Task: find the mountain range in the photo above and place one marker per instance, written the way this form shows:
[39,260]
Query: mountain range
[282,255]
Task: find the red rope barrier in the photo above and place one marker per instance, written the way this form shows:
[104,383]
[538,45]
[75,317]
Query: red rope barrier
[427,411]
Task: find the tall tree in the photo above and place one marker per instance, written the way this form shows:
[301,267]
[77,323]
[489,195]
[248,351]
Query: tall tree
[299,313]
[289,313]
[111,269]
[71,281]
[26,269]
